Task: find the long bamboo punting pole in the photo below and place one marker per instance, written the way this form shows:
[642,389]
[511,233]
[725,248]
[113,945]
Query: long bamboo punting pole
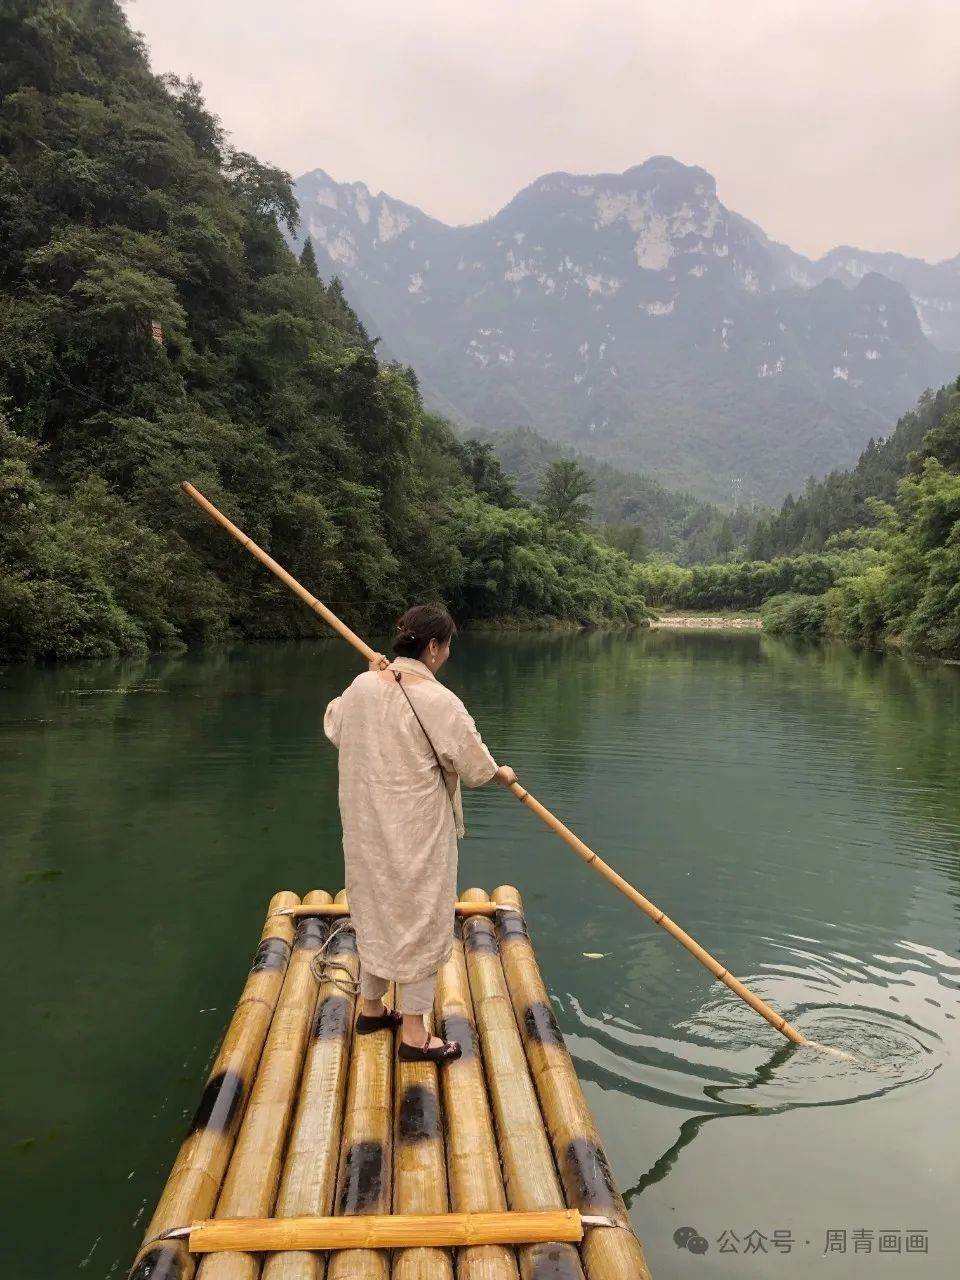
[250,1187]
[366,1157]
[310,1166]
[473,1163]
[194,1183]
[529,1176]
[419,1165]
[659,917]
[318,607]
[776,1020]
[412,1233]
[609,1253]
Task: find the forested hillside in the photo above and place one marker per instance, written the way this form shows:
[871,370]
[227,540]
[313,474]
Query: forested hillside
[880,546]
[153,327]
[841,500]
[911,593]
[676,525]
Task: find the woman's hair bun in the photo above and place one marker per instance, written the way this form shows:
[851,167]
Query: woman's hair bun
[420,625]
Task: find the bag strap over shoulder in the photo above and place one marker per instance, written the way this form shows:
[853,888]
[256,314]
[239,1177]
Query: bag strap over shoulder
[396,676]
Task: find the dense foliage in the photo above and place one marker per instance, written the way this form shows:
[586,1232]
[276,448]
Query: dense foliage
[564,493]
[743,585]
[674,524]
[911,593]
[156,327]
[841,501]
[895,580]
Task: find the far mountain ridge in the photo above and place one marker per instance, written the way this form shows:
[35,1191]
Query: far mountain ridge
[934,287]
[637,317]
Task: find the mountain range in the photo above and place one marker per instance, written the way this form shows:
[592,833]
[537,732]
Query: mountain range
[635,317]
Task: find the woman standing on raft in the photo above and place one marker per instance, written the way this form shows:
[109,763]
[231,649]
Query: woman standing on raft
[405,745]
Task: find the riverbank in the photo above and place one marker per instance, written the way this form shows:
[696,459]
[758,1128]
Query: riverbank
[707,622]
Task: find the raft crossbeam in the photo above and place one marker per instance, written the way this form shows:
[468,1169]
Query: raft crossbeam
[385,1231]
[343,909]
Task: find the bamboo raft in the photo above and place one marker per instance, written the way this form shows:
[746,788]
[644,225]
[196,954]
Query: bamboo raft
[315,1154]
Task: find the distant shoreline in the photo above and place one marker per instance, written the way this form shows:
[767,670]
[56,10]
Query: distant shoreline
[706,622]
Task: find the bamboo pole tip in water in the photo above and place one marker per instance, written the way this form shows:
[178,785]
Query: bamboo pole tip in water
[836,1053]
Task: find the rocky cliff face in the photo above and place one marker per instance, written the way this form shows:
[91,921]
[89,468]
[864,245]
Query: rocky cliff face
[635,316]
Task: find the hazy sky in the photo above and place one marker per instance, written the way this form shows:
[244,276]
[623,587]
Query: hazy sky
[825,121]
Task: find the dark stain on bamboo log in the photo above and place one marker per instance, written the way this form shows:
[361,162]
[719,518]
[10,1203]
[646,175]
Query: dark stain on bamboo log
[553,1262]
[362,1177]
[164,1262]
[478,935]
[272,953]
[456,1027]
[586,1173]
[419,1118]
[220,1103]
[311,934]
[345,941]
[511,926]
[333,1018]
[540,1024]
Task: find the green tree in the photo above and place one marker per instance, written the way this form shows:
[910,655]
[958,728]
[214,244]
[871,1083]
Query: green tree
[562,492]
[725,540]
[626,537]
[308,257]
[487,476]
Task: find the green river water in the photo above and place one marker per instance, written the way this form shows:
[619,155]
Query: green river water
[796,809]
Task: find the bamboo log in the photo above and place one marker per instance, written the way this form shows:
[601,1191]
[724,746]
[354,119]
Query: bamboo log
[433,1231]
[529,1176]
[473,1164]
[342,909]
[250,1187]
[364,1179]
[609,1253]
[310,1166]
[194,1182]
[419,1166]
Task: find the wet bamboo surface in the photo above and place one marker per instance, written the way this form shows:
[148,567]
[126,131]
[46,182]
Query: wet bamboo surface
[302,1118]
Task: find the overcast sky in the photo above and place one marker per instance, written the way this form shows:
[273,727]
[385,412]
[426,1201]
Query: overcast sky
[825,121]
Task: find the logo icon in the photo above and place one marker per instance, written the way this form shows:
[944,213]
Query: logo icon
[690,1238]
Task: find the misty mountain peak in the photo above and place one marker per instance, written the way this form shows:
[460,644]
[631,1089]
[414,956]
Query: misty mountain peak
[634,314]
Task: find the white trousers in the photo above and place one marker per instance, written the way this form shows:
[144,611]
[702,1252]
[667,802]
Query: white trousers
[412,997]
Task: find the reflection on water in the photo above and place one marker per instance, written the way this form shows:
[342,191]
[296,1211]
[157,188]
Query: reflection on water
[796,809]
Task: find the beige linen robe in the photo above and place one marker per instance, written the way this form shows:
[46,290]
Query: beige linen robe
[401,816]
